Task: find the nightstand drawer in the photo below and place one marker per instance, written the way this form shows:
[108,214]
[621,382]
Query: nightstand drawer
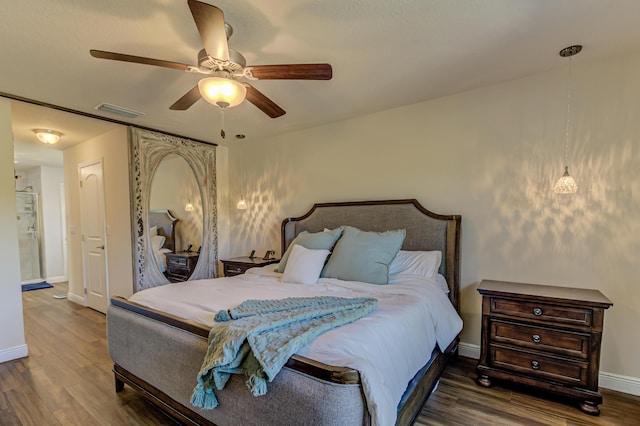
[231,270]
[178,261]
[535,364]
[556,314]
[541,338]
[240,265]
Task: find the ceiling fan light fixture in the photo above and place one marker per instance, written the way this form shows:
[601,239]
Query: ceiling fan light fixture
[47,136]
[223,92]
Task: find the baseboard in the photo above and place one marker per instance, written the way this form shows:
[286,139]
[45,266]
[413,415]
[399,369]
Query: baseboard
[77,299]
[619,383]
[14,353]
[616,382]
[469,350]
[54,280]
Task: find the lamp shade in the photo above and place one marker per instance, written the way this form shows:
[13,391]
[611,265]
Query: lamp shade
[242,204]
[566,184]
[47,136]
[223,92]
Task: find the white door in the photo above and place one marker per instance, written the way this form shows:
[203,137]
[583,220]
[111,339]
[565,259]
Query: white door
[93,235]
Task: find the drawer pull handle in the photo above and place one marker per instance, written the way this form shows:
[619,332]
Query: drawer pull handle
[537,312]
[238,270]
[536,338]
[535,365]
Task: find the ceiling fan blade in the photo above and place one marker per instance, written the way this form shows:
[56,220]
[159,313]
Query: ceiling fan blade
[292,72]
[138,59]
[185,102]
[210,22]
[263,103]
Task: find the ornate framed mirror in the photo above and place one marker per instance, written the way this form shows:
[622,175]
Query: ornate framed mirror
[150,152]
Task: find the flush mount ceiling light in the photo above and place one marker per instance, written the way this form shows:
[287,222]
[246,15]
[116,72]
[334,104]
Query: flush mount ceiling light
[47,136]
[566,184]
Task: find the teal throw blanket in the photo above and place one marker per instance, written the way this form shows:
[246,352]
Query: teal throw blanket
[257,337]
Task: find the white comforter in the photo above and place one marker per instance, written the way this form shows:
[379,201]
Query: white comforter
[387,347]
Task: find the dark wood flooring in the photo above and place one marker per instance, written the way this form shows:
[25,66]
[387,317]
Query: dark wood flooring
[67,380]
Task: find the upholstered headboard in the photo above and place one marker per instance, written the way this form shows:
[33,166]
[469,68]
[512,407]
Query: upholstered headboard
[166,223]
[425,230]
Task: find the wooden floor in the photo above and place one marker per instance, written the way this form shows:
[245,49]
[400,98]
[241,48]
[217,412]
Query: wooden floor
[67,380]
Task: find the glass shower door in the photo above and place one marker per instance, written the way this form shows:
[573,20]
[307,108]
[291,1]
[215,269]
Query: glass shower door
[29,236]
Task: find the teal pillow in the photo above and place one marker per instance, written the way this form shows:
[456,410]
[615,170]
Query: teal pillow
[313,241]
[364,256]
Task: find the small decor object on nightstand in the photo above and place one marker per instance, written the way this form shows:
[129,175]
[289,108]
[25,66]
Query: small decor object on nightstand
[239,265]
[543,336]
[269,255]
[180,265]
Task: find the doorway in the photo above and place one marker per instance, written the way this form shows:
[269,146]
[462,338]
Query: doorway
[29,236]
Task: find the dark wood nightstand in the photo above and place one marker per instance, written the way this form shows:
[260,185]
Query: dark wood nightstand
[239,265]
[543,336]
[180,265]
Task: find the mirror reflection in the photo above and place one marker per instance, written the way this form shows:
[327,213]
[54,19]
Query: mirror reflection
[175,218]
[192,203]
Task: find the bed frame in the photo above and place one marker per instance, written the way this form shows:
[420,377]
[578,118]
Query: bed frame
[166,223]
[159,354]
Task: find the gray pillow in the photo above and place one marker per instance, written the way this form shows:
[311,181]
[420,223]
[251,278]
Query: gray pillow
[364,256]
[313,241]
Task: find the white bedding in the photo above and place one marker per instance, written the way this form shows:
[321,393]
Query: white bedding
[387,347]
[161,259]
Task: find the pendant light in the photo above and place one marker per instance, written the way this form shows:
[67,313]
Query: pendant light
[566,184]
[242,204]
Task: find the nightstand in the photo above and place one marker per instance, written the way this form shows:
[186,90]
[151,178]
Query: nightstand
[543,336]
[239,265]
[180,265]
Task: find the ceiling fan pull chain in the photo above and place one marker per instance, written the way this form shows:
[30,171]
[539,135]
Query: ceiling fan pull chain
[222,123]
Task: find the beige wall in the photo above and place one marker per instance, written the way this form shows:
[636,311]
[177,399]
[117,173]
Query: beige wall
[12,343]
[52,230]
[112,147]
[491,155]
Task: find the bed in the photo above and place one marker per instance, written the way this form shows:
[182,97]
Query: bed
[162,231]
[159,353]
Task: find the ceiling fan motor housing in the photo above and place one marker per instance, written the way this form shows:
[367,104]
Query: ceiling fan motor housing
[236,62]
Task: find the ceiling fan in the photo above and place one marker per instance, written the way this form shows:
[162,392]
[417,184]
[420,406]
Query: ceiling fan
[225,67]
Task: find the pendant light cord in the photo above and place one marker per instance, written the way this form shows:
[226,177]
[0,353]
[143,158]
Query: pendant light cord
[566,141]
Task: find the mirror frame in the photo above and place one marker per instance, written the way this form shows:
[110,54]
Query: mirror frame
[147,150]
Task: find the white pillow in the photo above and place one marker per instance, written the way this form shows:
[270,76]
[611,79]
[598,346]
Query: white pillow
[421,263]
[304,265]
[153,231]
[157,242]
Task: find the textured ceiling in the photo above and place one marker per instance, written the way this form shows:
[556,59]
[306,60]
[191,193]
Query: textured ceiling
[384,54]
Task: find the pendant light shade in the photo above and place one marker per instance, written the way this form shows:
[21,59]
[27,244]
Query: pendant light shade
[566,184]
[242,204]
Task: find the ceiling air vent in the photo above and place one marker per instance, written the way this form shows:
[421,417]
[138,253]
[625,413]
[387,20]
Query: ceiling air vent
[118,110]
